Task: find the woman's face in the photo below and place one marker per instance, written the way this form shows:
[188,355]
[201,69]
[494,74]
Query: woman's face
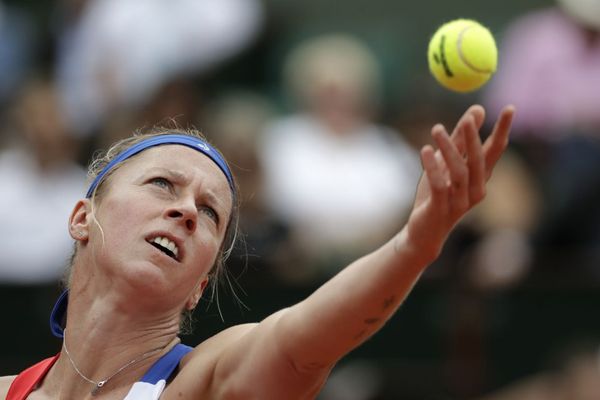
[163,215]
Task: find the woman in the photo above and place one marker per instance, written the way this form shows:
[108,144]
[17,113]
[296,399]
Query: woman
[153,224]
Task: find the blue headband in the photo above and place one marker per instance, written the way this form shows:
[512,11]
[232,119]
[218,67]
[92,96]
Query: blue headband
[185,140]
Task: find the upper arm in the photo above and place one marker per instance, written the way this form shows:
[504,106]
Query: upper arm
[259,365]
[247,362]
[5,382]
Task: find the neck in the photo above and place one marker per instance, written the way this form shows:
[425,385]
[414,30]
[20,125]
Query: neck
[85,370]
[98,385]
[101,338]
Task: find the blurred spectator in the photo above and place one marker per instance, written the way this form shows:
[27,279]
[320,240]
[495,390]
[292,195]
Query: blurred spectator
[175,103]
[550,69]
[359,380]
[234,122]
[489,255]
[577,378]
[504,223]
[16,48]
[541,194]
[340,181]
[40,184]
[117,53]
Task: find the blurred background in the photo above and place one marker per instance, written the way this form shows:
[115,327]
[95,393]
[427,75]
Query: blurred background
[321,108]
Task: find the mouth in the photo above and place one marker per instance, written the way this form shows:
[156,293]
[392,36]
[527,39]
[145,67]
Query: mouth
[165,245]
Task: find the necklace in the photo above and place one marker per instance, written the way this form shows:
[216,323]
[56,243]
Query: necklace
[98,385]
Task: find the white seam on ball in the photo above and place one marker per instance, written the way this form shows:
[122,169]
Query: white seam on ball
[462,56]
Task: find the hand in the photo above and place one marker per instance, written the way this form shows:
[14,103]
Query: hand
[454,178]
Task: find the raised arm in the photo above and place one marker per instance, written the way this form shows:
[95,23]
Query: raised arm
[290,353]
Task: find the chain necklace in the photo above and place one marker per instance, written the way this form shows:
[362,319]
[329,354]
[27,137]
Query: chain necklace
[98,385]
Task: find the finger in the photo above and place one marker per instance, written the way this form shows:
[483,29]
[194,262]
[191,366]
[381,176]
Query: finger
[435,175]
[495,145]
[476,112]
[455,163]
[475,163]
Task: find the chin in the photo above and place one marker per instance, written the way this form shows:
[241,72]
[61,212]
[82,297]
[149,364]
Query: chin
[146,278]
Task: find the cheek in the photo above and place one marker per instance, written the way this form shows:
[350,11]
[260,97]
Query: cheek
[205,255]
[117,220]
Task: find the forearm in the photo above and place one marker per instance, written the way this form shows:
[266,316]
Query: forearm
[354,304]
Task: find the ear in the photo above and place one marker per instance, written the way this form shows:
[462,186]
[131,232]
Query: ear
[197,295]
[79,221]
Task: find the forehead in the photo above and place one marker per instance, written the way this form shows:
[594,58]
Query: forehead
[181,160]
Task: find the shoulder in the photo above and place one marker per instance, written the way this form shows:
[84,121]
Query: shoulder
[5,382]
[197,368]
[214,346]
[245,362]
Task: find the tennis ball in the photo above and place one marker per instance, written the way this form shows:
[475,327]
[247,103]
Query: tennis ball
[462,55]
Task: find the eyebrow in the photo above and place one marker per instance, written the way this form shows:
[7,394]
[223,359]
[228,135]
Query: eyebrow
[212,198]
[181,177]
[173,174]
[178,175]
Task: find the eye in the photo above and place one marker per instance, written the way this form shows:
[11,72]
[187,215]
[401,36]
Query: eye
[161,182]
[212,214]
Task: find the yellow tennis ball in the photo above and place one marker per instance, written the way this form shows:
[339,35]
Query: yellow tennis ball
[462,55]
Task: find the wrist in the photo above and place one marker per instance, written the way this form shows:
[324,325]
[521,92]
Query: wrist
[418,250]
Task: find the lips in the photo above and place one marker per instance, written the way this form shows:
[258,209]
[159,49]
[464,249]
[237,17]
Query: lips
[166,245]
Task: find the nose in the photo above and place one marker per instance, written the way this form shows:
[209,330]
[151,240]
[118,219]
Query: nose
[185,215]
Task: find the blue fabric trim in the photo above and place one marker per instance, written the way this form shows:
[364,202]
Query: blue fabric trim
[58,314]
[185,140]
[164,367]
